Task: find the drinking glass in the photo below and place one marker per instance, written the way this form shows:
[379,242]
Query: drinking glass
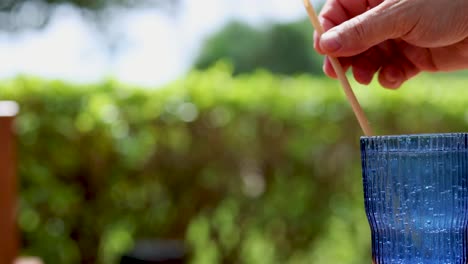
[416,197]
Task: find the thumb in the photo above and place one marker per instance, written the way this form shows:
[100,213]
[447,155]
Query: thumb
[364,31]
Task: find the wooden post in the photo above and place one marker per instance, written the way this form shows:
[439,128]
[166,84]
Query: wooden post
[8,233]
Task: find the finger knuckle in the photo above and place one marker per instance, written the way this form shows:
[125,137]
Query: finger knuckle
[359,30]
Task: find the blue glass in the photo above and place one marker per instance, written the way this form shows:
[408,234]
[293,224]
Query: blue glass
[416,197]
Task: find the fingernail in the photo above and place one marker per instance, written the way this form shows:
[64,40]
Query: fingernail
[393,75]
[330,41]
[362,76]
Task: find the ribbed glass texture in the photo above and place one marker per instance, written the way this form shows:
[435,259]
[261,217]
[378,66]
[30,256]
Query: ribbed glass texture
[416,197]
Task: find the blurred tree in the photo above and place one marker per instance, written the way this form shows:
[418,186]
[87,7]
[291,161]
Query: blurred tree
[21,14]
[281,48]
[238,42]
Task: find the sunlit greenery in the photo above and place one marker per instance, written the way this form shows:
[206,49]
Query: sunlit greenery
[248,169]
[279,48]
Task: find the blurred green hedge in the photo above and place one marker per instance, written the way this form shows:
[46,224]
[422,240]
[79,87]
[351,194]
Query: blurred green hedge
[246,169]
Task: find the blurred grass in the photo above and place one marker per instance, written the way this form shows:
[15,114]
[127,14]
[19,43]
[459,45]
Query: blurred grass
[255,168]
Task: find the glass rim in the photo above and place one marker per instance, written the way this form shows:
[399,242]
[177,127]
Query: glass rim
[422,135]
[415,143]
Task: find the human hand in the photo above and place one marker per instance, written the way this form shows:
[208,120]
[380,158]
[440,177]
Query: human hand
[396,38]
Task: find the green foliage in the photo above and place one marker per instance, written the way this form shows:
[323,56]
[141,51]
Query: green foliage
[280,48]
[249,169]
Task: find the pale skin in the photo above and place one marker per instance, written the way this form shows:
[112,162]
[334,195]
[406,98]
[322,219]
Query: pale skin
[394,39]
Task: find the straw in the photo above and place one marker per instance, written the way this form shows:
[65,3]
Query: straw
[358,112]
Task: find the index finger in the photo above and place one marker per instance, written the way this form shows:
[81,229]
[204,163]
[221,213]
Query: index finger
[339,11]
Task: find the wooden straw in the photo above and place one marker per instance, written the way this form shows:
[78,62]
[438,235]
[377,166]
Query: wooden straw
[358,112]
